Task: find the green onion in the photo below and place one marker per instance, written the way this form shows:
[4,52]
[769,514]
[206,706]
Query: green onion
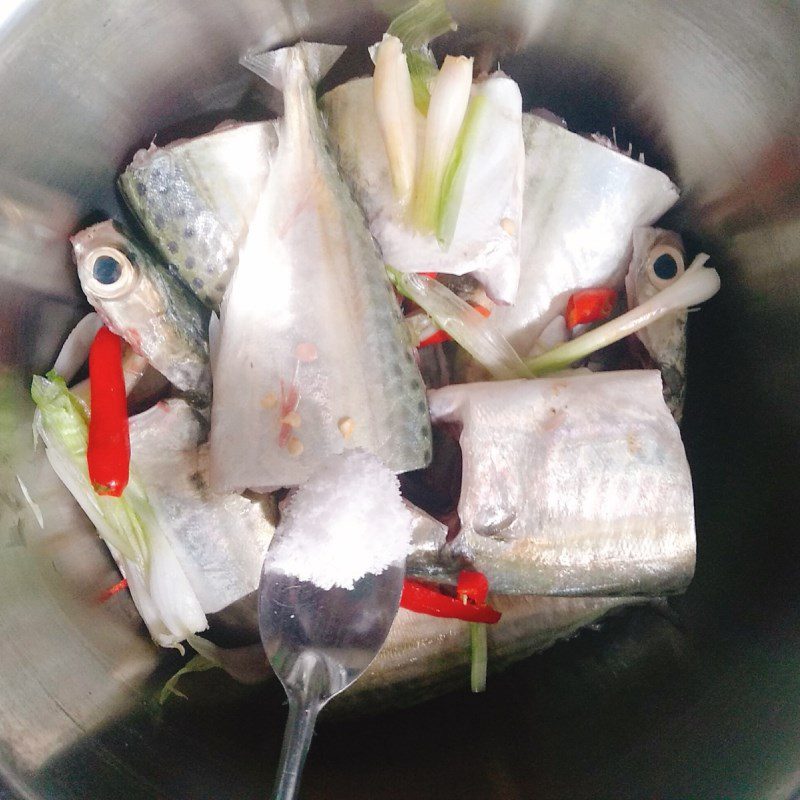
[197,663]
[446,112]
[480,656]
[423,21]
[695,286]
[423,71]
[397,115]
[455,175]
[475,333]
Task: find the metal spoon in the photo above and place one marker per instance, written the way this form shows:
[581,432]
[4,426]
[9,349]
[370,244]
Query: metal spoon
[318,642]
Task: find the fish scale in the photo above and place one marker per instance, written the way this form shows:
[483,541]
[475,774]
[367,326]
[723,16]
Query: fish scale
[195,199]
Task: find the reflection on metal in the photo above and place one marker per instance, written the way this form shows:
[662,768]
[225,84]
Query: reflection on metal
[67,664]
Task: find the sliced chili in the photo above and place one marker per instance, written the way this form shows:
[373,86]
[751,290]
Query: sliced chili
[589,305]
[108,452]
[423,599]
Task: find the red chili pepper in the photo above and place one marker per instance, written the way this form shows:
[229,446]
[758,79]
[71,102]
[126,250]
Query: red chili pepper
[432,275]
[435,338]
[589,305]
[107,594]
[423,599]
[108,453]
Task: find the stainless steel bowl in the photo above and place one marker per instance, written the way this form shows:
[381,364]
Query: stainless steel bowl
[699,699]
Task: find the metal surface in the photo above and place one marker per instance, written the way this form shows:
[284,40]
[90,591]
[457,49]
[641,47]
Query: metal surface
[698,702]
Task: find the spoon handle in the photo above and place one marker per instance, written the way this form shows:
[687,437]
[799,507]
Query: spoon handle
[296,741]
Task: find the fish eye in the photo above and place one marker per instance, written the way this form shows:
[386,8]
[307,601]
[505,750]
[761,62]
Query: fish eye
[107,270]
[112,274]
[664,265]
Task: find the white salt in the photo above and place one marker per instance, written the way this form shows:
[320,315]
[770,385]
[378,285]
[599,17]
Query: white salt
[345,521]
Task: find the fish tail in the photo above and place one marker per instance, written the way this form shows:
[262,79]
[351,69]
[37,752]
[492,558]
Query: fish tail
[274,65]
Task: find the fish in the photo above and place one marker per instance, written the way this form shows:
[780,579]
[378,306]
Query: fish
[424,656]
[658,261]
[312,355]
[572,485]
[141,301]
[220,539]
[195,199]
[582,202]
[486,238]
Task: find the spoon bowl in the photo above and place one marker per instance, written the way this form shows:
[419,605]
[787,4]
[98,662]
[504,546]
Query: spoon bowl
[318,641]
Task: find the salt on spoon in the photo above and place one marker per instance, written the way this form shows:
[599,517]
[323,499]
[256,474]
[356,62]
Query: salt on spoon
[330,590]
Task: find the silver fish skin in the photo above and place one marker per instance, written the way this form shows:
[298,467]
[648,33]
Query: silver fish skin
[195,199]
[486,238]
[572,485]
[310,329]
[581,204]
[658,260]
[139,300]
[427,656]
[220,540]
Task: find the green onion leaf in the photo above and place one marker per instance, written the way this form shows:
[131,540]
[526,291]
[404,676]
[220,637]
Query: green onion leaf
[422,22]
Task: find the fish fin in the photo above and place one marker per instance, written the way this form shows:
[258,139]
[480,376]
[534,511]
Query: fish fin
[271,65]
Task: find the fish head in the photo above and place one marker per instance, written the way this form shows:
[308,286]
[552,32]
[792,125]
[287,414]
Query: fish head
[107,267]
[116,275]
[657,262]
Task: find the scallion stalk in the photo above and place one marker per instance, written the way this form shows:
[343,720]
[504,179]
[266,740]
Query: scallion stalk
[696,285]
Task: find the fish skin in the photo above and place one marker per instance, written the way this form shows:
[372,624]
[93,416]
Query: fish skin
[424,657]
[571,485]
[157,316]
[582,202]
[220,540]
[310,278]
[664,341]
[195,199]
[485,241]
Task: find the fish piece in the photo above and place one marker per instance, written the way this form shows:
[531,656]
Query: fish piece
[309,323]
[139,300]
[220,540]
[486,237]
[427,656]
[582,202]
[658,261]
[195,198]
[572,485]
